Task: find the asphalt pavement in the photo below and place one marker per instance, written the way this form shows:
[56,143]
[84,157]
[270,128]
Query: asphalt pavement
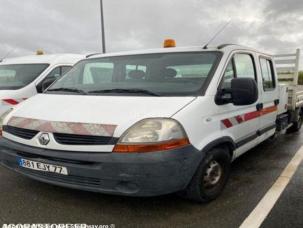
[24,201]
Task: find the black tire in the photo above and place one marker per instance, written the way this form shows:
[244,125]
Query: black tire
[272,138]
[296,126]
[198,190]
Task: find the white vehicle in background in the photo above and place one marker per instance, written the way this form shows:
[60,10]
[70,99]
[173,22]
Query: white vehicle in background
[23,77]
[154,122]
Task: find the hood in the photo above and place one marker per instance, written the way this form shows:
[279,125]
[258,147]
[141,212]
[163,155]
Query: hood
[122,111]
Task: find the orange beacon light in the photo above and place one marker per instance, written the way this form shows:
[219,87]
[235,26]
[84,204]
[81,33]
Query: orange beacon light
[169,43]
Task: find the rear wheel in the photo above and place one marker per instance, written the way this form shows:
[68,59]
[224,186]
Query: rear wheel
[211,176]
[297,125]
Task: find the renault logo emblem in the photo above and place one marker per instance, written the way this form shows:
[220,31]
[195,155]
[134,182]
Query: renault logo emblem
[44,139]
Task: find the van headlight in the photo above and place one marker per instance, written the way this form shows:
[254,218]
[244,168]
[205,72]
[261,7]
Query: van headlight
[2,117]
[156,134]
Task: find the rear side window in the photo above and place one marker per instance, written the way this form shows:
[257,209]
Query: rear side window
[268,77]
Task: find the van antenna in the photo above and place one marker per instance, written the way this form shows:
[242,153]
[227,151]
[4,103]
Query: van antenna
[7,54]
[216,34]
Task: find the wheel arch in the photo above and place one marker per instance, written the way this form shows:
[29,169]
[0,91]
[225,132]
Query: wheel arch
[221,142]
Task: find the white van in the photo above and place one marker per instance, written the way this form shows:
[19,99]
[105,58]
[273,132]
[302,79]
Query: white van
[151,122]
[23,77]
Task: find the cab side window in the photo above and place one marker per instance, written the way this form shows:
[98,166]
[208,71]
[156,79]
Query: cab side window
[55,74]
[244,65]
[229,74]
[58,71]
[268,77]
[240,66]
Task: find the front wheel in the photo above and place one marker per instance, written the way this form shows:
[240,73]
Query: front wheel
[211,176]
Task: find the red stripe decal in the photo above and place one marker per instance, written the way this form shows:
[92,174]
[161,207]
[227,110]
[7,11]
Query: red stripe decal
[269,110]
[249,116]
[11,101]
[227,123]
[252,115]
[239,119]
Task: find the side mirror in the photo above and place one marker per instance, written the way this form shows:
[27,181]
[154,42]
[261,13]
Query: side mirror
[244,91]
[45,84]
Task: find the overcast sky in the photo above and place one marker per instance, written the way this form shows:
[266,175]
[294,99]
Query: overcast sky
[74,25]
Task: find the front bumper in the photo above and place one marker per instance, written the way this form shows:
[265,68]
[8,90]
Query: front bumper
[146,174]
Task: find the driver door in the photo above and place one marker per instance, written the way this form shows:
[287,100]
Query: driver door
[241,122]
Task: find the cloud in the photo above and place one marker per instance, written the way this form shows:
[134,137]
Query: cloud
[277,8]
[74,25]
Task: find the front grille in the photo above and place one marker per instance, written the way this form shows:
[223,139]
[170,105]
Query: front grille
[20,132]
[65,139]
[70,139]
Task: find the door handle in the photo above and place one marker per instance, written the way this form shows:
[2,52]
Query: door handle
[259,106]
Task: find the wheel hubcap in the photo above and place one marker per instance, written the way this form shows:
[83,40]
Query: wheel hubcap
[212,174]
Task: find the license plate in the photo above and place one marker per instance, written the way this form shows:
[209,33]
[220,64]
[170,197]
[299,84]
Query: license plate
[39,166]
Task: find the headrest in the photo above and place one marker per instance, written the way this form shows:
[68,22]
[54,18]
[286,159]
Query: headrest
[136,74]
[169,73]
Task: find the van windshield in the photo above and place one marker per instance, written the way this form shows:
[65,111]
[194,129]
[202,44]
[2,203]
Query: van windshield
[168,74]
[16,76]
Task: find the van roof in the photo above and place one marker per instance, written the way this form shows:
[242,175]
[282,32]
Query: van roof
[50,59]
[223,48]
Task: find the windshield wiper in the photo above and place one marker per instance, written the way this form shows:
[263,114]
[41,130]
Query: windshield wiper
[73,90]
[139,91]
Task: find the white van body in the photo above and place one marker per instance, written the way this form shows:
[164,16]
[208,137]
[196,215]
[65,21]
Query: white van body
[62,124]
[11,97]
